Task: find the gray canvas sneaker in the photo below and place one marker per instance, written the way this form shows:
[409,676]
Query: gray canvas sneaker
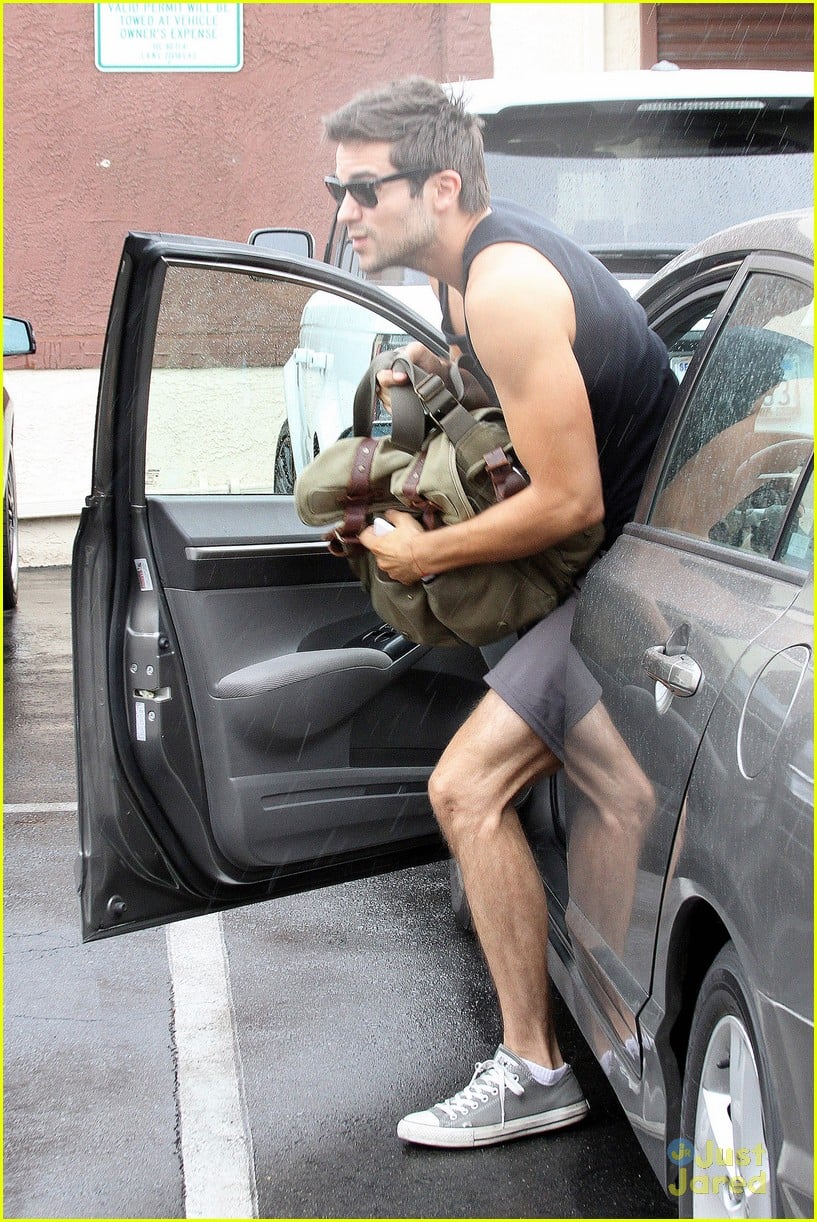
[502,1101]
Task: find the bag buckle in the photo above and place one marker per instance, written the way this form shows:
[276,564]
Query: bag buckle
[341,544]
[505,477]
[433,393]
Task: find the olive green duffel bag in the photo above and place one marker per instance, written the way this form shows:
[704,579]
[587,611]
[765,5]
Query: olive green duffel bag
[444,463]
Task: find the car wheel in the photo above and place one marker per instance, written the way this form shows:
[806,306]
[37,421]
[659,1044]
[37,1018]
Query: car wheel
[727,1150]
[459,901]
[11,541]
[284,472]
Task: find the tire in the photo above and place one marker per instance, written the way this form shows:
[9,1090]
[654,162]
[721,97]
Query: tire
[459,902]
[726,1085]
[284,472]
[11,541]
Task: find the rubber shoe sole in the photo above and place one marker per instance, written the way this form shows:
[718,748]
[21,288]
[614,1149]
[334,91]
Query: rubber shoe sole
[490,1135]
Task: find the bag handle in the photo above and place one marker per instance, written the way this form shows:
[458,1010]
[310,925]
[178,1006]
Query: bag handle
[423,394]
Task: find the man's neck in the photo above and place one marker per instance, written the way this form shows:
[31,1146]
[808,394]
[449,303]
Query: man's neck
[443,261]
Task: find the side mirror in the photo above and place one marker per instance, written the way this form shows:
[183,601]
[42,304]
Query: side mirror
[285,241]
[18,337]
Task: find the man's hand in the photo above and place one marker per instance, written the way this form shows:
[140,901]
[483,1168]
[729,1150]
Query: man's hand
[393,551]
[473,394]
[419,355]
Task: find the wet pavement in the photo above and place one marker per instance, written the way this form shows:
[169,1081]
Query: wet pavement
[349,1007]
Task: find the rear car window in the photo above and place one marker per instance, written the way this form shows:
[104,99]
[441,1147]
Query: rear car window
[653,174]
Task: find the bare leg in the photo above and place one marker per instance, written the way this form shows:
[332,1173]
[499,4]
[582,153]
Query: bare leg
[493,755]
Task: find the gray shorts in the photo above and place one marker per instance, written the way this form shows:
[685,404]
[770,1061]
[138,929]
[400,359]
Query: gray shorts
[543,679]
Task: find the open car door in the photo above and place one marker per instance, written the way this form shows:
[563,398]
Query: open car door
[245,725]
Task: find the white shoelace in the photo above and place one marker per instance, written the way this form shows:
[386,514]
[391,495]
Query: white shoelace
[490,1078]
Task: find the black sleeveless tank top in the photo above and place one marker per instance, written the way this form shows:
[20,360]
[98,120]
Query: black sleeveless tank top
[624,364]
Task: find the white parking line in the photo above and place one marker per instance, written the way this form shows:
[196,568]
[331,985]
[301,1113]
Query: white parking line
[216,1144]
[40,808]
[217,1155]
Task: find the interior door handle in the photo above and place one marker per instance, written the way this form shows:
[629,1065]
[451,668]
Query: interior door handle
[680,673]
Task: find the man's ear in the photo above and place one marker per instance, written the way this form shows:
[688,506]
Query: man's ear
[446,185]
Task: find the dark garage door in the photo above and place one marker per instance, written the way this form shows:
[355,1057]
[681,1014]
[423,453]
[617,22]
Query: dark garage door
[736,35]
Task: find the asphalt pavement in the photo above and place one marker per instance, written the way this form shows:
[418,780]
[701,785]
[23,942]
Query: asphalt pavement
[345,1008]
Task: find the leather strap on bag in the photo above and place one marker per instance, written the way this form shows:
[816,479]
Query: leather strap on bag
[424,397]
[430,512]
[355,501]
[504,476]
[424,394]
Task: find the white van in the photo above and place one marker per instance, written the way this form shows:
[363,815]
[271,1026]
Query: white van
[635,166]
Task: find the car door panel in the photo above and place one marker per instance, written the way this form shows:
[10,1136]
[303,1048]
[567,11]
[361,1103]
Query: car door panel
[685,593]
[767,705]
[264,728]
[286,667]
[637,574]
[238,542]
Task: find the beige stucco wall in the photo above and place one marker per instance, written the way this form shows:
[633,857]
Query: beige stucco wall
[531,39]
[622,36]
[541,38]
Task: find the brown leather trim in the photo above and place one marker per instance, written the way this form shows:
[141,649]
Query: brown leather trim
[357,498]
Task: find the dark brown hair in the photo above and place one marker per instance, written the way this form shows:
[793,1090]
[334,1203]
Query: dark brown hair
[424,126]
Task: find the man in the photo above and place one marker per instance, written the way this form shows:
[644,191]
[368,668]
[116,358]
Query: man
[584,386]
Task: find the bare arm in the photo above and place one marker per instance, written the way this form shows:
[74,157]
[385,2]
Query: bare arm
[522,323]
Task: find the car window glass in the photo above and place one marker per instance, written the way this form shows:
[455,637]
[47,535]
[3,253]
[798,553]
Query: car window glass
[797,544]
[683,348]
[747,431]
[651,174]
[216,389]
[252,376]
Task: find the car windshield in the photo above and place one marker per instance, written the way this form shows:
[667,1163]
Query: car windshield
[652,175]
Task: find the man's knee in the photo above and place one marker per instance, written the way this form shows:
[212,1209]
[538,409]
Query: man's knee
[447,787]
[463,805]
[493,756]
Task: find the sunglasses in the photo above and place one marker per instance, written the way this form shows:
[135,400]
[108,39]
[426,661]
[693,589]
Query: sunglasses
[364,190]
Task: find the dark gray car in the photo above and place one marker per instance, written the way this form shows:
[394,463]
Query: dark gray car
[688,953]
[246,728]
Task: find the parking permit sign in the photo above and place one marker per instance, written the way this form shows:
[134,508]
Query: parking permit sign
[169,37]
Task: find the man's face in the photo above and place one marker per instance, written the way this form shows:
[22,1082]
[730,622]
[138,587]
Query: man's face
[399,229]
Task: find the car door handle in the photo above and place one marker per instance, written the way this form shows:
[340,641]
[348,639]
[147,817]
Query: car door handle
[680,673]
